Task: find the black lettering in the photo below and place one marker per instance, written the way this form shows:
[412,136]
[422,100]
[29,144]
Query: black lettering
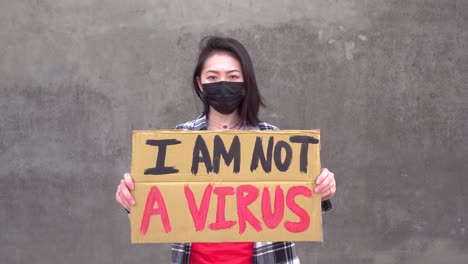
[280,165]
[233,154]
[160,160]
[201,154]
[258,154]
[305,141]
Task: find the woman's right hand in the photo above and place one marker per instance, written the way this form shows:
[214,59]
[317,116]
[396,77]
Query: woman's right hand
[123,195]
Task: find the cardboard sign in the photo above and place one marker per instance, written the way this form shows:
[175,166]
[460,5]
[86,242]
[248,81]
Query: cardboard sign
[207,186]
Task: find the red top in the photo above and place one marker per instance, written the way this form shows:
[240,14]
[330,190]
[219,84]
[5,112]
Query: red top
[225,253]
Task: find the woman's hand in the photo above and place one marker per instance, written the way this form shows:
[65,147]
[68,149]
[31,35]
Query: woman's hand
[326,184]
[123,195]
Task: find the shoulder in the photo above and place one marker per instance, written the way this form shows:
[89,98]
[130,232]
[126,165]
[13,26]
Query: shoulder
[187,125]
[196,124]
[266,126]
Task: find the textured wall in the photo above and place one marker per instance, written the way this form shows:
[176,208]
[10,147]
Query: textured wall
[384,80]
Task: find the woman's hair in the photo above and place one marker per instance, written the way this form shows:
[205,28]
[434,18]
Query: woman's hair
[250,106]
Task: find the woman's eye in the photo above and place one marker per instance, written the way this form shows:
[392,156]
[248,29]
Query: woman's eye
[234,77]
[211,77]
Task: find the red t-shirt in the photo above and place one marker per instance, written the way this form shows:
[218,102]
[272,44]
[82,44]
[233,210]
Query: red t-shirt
[225,253]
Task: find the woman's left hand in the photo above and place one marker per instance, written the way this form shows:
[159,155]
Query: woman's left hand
[326,184]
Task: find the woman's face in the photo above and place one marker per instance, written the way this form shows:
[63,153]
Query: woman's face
[220,66]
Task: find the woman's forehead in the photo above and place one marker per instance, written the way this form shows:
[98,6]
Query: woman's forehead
[221,60]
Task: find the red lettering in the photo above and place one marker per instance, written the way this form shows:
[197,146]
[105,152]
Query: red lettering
[155,196]
[304,222]
[221,222]
[243,212]
[272,220]
[199,215]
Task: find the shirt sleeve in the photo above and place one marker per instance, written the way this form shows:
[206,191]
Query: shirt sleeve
[327,206]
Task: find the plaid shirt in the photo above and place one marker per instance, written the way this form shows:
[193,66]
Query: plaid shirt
[264,252]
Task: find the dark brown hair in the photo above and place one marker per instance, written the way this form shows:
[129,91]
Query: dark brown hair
[250,106]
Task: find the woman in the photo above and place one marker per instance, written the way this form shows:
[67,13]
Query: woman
[224,80]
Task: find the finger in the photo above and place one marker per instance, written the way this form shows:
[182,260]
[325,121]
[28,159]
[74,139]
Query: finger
[117,196]
[323,174]
[119,199]
[333,191]
[326,183]
[325,186]
[129,181]
[117,191]
[125,193]
[123,201]
[325,195]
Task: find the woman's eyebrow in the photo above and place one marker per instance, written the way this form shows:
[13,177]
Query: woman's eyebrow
[230,71]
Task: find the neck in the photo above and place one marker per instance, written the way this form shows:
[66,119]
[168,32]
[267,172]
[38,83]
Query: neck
[218,120]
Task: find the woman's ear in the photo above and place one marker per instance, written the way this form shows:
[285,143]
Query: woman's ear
[200,87]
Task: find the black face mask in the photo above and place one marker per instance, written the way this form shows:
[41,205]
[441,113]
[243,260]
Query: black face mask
[224,97]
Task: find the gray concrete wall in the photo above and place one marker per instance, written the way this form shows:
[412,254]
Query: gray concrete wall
[384,80]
